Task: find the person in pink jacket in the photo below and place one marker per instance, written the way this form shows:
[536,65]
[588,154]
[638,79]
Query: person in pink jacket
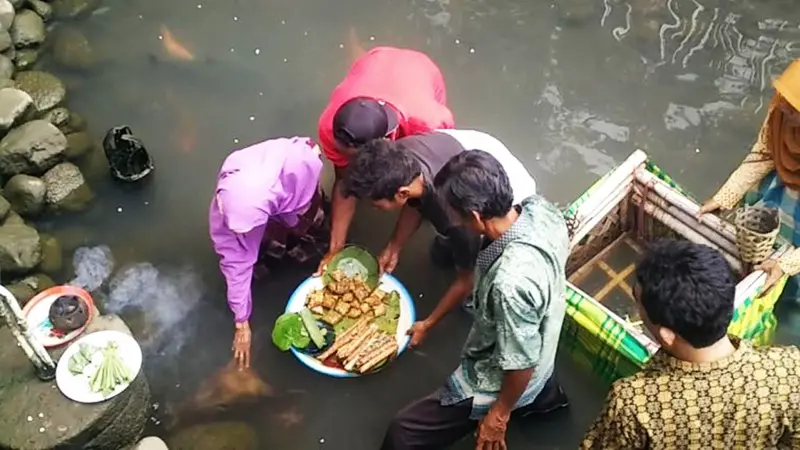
[267,207]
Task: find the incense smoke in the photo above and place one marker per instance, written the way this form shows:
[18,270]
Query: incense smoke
[155,302]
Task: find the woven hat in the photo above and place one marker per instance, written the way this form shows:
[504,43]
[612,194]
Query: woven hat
[788,84]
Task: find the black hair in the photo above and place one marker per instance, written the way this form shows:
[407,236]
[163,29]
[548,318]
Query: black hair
[379,169]
[688,288]
[475,181]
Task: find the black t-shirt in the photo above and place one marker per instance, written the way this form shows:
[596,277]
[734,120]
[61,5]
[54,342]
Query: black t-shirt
[433,150]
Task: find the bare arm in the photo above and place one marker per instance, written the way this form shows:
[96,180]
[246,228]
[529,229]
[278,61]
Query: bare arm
[458,290]
[407,224]
[343,209]
[514,384]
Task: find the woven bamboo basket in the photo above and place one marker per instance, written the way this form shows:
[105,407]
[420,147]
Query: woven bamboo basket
[756,231]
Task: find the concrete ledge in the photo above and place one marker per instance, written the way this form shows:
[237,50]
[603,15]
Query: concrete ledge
[35,415]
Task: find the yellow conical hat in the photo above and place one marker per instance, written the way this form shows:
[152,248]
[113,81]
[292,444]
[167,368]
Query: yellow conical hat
[788,84]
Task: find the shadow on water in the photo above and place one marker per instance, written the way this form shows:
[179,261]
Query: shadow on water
[572,87]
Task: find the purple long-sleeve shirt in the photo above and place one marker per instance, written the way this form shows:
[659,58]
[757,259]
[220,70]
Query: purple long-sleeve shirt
[271,180]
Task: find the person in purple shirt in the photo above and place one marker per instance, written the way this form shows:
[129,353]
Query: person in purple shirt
[267,208]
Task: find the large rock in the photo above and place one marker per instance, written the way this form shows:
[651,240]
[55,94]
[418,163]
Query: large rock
[44,10]
[26,58]
[5,207]
[72,50]
[74,9]
[215,436]
[32,148]
[28,29]
[66,188]
[117,423]
[6,14]
[20,248]
[5,40]
[17,4]
[13,106]
[6,69]
[26,194]
[52,255]
[27,287]
[78,144]
[46,90]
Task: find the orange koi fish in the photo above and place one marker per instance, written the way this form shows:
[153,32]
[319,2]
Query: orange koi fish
[173,47]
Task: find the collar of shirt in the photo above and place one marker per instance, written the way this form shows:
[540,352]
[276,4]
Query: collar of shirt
[491,252]
[664,361]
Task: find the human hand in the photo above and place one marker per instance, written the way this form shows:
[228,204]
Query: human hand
[326,259]
[774,273]
[491,434]
[709,206]
[418,331]
[241,345]
[387,260]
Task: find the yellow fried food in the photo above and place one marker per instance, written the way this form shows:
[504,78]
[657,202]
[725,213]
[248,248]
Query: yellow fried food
[342,307]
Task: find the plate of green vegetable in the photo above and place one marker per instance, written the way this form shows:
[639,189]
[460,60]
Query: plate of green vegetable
[98,366]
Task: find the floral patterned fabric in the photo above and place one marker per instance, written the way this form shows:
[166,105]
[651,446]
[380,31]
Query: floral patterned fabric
[519,308]
[749,400]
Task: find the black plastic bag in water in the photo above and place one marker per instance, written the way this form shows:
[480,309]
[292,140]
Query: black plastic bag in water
[127,157]
[68,313]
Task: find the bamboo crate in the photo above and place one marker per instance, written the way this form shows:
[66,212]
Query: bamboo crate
[611,222]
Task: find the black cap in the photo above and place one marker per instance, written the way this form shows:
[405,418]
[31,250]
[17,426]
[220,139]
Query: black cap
[362,119]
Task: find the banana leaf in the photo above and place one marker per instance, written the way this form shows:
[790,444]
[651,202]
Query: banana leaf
[354,260]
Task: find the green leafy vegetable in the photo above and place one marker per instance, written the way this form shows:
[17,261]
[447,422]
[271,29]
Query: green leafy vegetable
[82,358]
[388,322]
[311,326]
[289,331]
[111,373]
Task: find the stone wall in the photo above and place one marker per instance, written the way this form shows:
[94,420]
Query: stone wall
[42,143]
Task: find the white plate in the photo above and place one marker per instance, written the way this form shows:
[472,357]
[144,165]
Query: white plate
[76,387]
[408,315]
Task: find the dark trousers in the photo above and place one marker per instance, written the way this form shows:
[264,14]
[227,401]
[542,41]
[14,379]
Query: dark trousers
[427,425]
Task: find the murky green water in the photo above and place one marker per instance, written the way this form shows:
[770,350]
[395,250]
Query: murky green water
[571,86]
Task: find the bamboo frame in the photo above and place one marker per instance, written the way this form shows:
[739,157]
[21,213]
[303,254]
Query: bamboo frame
[680,228]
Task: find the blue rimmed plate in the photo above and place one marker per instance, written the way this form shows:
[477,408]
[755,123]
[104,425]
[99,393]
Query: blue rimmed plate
[388,283]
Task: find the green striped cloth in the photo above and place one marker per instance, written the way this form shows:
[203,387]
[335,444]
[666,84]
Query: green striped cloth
[602,343]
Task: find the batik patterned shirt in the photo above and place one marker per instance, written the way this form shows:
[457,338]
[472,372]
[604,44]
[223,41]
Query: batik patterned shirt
[519,309]
[749,400]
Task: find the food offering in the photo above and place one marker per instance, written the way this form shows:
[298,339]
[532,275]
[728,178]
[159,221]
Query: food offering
[345,324]
[98,366]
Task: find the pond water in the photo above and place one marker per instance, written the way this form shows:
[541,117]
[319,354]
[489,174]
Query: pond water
[572,87]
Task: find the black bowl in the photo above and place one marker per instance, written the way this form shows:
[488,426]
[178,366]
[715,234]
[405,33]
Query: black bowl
[330,336]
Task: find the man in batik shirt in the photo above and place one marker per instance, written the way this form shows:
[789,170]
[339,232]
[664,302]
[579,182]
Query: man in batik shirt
[508,359]
[702,389]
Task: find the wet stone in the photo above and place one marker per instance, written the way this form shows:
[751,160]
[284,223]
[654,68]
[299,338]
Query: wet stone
[52,254]
[5,40]
[17,4]
[6,68]
[13,106]
[20,248]
[74,9]
[26,194]
[32,148]
[5,207]
[44,10]
[28,29]
[46,89]
[76,122]
[73,51]
[58,117]
[6,14]
[13,219]
[28,287]
[11,53]
[66,188]
[26,58]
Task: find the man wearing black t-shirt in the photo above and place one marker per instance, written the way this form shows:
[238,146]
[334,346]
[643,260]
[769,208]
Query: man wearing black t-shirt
[399,175]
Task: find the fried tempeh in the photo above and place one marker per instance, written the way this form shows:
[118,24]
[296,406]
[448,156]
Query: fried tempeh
[345,337]
[349,348]
[386,352]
